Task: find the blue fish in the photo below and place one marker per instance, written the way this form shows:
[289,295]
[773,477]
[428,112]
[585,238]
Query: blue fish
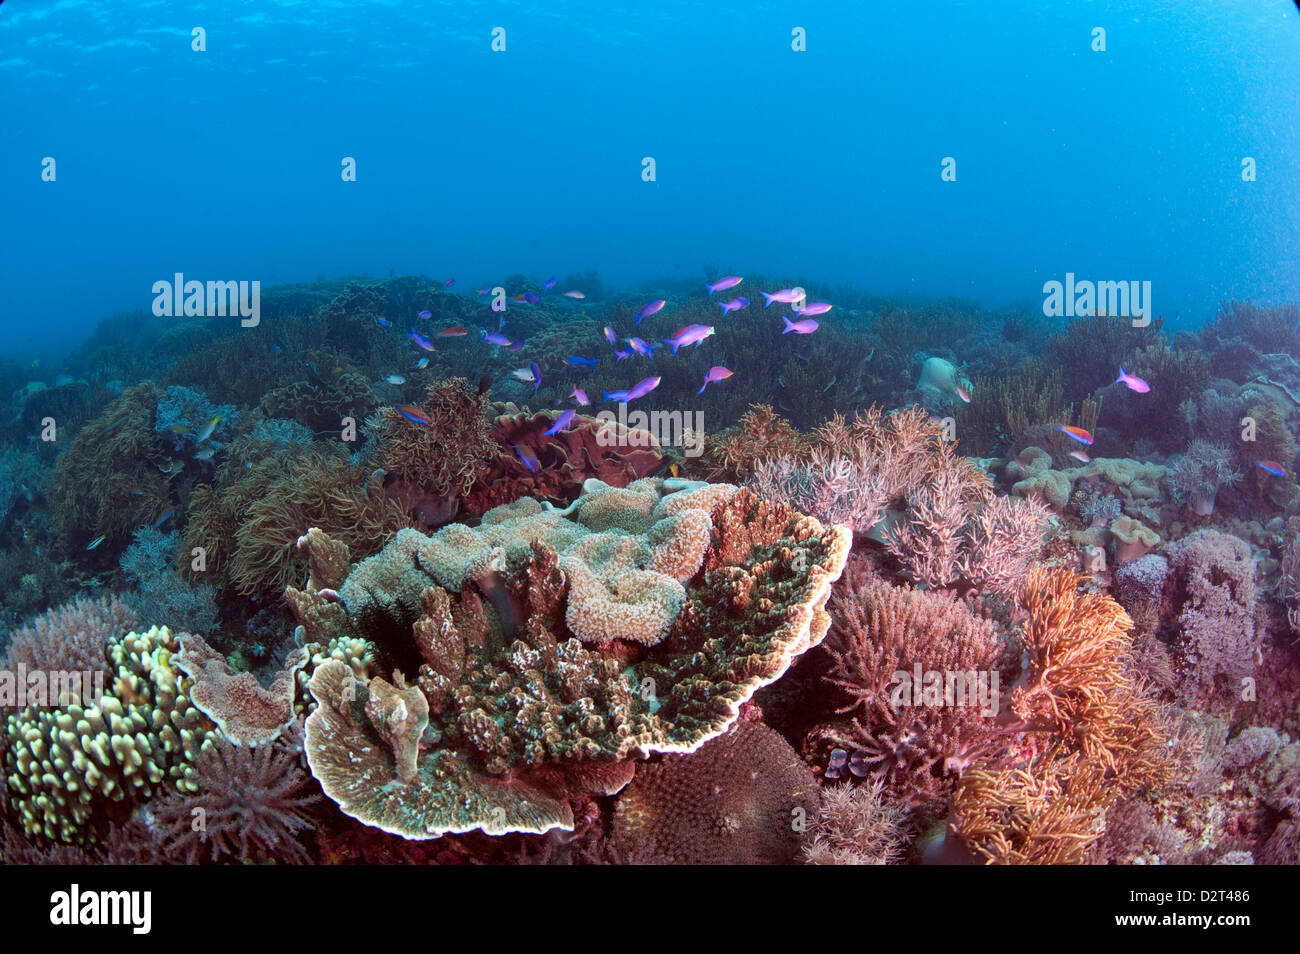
[537,374]
[164,518]
[528,457]
[548,284]
[578,361]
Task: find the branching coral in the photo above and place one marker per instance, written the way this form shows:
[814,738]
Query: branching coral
[72,769]
[72,638]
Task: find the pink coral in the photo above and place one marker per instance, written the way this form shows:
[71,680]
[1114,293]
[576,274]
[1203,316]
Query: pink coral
[71,638]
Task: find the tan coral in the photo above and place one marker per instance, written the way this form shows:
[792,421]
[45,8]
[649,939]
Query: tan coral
[244,711]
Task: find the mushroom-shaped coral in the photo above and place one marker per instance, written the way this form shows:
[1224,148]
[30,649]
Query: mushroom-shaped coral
[744,798]
[1132,539]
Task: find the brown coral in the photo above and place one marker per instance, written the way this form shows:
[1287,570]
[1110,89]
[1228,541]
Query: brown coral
[743,798]
[244,711]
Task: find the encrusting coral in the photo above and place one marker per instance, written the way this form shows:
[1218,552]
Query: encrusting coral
[744,797]
[523,713]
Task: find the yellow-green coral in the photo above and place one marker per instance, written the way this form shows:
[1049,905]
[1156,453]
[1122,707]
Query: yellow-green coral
[66,767]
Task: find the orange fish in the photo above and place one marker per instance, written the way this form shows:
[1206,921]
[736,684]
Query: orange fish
[455,331]
[963,393]
[413,414]
[1272,466]
[1077,433]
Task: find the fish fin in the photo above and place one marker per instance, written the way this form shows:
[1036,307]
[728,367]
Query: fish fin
[767,303]
[788,324]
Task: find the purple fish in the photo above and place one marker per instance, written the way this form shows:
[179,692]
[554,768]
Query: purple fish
[690,335]
[484,290]
[650,308]
[642,347]
[641,389]
[734,305]
[610,336]
[532,297]
[421,340]
[516,345]
[1133,381]
[816,308]
[548,284]
[578,361]
[383,322]
[561,422]
[528,457]
[425,314]
[805,327]
[496,339]
[579,395]
[722,284]
[620,355]
[537,374]
[786,296]
[715,373]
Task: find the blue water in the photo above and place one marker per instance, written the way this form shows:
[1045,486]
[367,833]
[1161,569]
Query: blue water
[474,164]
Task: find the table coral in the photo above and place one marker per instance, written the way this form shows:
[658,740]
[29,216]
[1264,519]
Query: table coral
[523,713]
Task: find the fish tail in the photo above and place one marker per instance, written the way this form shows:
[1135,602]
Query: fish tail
[701,390]
[1121,374]
[672,344]
[789,325]
[767,303]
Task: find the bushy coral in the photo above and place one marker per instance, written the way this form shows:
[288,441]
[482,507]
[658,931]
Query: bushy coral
[880,636]
[160,596]
[71,638]
[857,826]
[242,805]
[1199,473]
